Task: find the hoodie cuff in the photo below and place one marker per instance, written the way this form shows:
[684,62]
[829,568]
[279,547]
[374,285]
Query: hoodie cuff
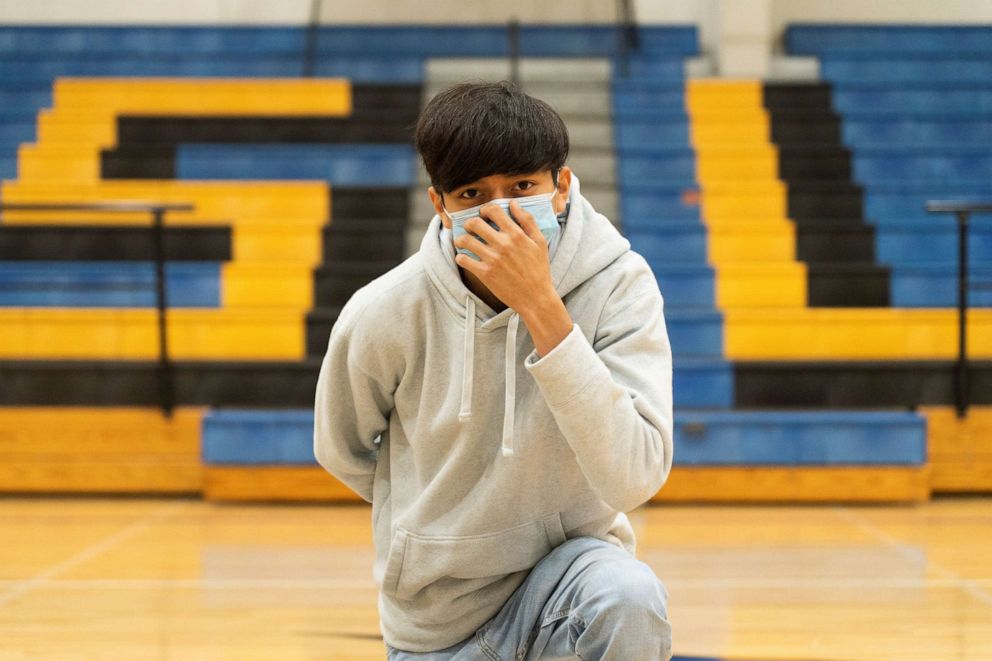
[566,370]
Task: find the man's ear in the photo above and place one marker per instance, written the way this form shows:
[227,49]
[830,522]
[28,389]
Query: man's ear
[564,186]
[438,206]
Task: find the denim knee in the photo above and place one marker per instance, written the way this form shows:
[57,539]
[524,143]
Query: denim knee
[625,612]
[630,584]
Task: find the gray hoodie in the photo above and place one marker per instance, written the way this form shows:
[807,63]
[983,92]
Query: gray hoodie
[479,457]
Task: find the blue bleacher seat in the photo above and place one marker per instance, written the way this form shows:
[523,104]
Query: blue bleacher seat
[107,284]
[935,285]
[865,134]
[905,68]
[634,134]
[674,167]
[897,102]
[671,241]
[702,438]
[694,332]
[341,164]
[916,106]
[824,438]
[816,39]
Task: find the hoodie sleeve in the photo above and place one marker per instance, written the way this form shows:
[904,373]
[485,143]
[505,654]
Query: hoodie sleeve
[351,410]
[612,398]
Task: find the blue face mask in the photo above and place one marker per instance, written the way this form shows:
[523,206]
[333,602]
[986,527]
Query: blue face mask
[539,206]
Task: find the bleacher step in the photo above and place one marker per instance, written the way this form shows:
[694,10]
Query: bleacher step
[252,381]
[60,449]
[758,438]
[836,334]
[245,449]
[208,242]
[587,101]
[107,284]
[245,333]
[829,384]
[702,438]
[536,71]
[959,449]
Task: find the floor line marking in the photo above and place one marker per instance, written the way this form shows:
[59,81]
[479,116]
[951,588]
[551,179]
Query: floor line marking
[358,584]
[22,587]
[904,549]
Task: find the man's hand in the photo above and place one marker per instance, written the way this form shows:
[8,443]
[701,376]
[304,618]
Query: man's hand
[514,266]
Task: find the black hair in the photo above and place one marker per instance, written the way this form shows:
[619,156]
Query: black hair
[473,130]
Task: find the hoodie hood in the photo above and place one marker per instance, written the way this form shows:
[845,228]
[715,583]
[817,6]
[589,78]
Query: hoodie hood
[587,244]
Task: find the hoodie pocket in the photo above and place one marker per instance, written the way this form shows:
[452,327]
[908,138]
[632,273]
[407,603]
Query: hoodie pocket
[417,561]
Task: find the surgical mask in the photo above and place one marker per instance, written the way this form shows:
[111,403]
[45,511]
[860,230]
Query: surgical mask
[538,206]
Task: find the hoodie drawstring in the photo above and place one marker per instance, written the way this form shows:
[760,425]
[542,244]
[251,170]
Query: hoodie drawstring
[468,360]
[511,384]
[468,363]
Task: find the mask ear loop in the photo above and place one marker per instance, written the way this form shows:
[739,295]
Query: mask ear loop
[443,208]
[554,175]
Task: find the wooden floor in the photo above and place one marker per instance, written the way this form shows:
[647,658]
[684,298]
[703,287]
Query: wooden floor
[129,579]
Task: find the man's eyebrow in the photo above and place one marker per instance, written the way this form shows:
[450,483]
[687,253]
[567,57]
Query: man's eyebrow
[474,184]
[479,184]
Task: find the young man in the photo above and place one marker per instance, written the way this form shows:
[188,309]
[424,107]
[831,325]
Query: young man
[502,397]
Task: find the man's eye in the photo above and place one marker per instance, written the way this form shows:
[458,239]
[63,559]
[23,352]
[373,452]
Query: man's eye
[469,194]
[526,185]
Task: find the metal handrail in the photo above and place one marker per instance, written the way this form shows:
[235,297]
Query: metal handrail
[513,47]
[630,38]
[158,211]
[313,32]
[962,211]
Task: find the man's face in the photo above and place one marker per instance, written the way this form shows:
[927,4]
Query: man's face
[497,186]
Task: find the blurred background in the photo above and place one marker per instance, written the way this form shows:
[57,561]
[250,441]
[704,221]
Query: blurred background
[192,190]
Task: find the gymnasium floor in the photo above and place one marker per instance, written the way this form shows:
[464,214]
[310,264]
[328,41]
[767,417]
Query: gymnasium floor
[129,579]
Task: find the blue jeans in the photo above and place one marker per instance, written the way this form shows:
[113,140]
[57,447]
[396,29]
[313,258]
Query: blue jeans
[586,600]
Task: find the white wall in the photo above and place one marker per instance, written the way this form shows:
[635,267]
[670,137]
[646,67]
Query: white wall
[134,12]
[880,11]
[705,14]
[295,12]
[469,11]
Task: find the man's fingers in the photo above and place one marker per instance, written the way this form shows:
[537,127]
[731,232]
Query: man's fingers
[479,226]
[469,242]
[495,213]
[527,222]
[471,264]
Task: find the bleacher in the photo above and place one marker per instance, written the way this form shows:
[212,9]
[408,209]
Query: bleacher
[808,296]
[915,104]
[131,113]
[726,258]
